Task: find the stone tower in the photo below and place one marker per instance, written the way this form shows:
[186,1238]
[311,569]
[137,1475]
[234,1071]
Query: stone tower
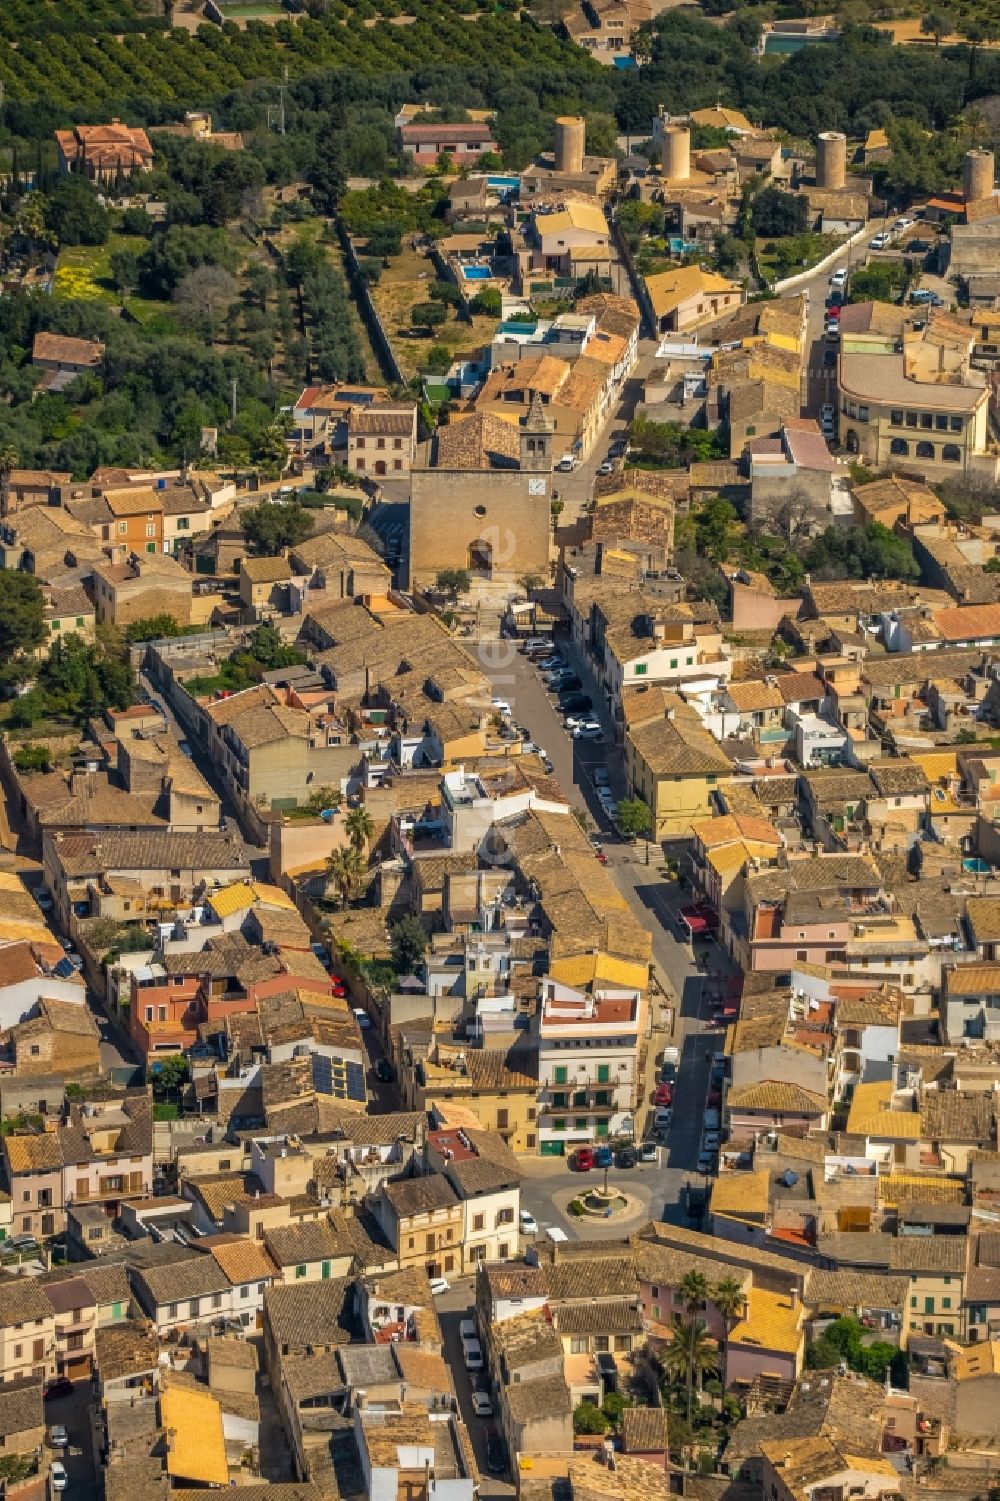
[831,161]
[536,438]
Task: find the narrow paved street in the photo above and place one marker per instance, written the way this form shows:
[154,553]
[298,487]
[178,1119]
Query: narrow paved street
[654,902]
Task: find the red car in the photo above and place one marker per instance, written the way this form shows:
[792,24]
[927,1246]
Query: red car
[583,1159]
[338,988]
[714,1099]
[834,310]
[664,1094]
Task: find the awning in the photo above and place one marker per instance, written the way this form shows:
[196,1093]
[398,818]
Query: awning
[699,919]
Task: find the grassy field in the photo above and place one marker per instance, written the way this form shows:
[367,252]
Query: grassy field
[402,286]
[84,272]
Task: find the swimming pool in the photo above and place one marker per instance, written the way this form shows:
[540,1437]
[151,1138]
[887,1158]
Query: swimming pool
[507,184]
[477,273]
[681,247]
[512,326]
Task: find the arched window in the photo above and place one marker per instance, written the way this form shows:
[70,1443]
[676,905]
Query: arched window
[899,446]
[925,450]
[951,453]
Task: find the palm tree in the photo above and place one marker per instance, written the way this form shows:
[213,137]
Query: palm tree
[345,869]
[730,1299]
[360,827]
[690,1356]
[8,462]
[694,1289]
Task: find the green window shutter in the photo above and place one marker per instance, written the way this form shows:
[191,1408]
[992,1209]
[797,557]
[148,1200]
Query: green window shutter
[559,1075]
[603,1073]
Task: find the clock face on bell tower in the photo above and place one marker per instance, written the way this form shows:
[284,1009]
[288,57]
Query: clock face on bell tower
[537,485]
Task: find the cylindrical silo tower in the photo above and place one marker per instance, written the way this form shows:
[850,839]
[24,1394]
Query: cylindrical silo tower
[977,175]
[831,160]
[571,135]
[676,153]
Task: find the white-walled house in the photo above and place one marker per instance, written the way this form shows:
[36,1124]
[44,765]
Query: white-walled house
[587,1047]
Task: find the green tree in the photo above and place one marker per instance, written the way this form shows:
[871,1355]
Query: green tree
[74,215]
[588,1418]
[409,944]
[22,614]
[29,757]
[488,303]
[938,24]
[633,817]
[346,869]
[266,646]
[428,315]
[689,1357]
[360,827]
[454,581]
[693,1287]
[124,270]
[270,528]
[776,213]
[8,463]
[153,628]
[171,1075]
[871,551]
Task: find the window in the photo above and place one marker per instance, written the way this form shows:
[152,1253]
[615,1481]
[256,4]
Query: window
[397,463]
[801,955]
[580,1123]
[150,529]
[503,1117]
[951,453]
[640,669]
[559,1100]
[945,1302]
[896,418]
[300,1271]
[530,1139]
[955,423]
[862,414]
[926,420]
[601,1343]
[603,1073]
[79,620]
[578,1344]
[559,1124]
[925,450]
[478,1221]
[216,1300]
[580,1098]
[602,1097]
[899,446]
[57,625]
[397,442]
[122,528]
[911,419]
[150,546]
[941,422]
[361,443]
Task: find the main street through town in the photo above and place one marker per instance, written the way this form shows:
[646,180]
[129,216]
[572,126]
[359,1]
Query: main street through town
[659,1189]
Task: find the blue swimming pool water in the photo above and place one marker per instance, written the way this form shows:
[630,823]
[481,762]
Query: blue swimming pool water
[775,46]
[681,247]
[512,326]
[476,273]
[503,182]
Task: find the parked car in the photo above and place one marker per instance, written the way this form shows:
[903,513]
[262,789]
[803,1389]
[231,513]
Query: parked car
[338,988]
[627,1157]
[604,1157]
[472,1354]
[575,703]
[58,1476]
[467,1329]
[662,1119]
[439,1285]
[839,277]
[362,1018]
[706,1162]
[59,1386]
[572,721]
[879,241]
[21,1243]
[529,1225]
[710,1141]
[496,1462]
[664,1094]
[583,1159]
[590,730]
[827,411]
[668,1071]
[833,330]
[567,463]
[571,684]
[829,357]
[606,468]
[481,1405]
[58,1437]
[711,1122]
[500,705]
[601,776]
[649,1151]
[902,224]
[834,310]
[384,1070]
